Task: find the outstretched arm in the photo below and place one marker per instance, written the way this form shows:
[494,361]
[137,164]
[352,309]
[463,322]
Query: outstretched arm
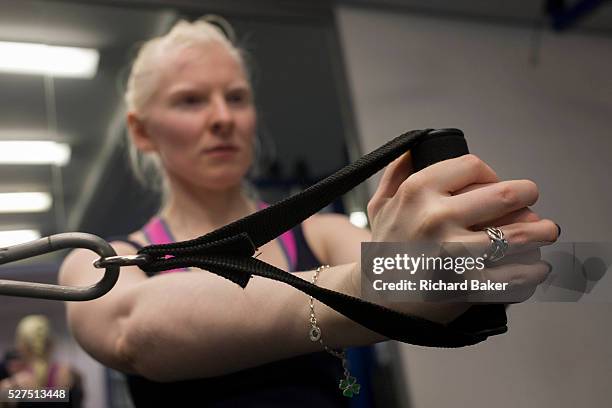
[196,324]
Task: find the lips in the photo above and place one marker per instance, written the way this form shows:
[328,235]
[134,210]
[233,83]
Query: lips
[221,149]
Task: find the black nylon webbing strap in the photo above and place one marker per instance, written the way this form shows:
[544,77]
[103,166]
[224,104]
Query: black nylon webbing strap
[228,251]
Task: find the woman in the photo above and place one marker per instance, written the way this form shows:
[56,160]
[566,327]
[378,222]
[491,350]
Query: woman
[36,370]
[191,112]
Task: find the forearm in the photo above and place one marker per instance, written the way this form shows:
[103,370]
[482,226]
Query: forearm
[214,327]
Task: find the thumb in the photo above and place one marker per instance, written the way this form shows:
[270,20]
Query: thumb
[394,175]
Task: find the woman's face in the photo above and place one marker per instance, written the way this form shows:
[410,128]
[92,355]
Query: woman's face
[201,119]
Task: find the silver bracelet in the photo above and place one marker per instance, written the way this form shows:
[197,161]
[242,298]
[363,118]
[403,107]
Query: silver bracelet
[348,384]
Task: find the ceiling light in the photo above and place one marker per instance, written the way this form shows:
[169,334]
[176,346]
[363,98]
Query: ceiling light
[34,152]
[25,202]
[9,238]
[359,219]
[41,59]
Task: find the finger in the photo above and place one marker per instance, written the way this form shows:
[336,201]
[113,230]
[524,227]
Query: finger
[521,237]
[518,274]
[522,279]
[530,235]
[395,174]
[451,175]
[472,187]
[522,215]
[526,257]
[492,202]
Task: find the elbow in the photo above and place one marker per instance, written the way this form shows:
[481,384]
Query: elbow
[134,355]
[139,352]
[125,355]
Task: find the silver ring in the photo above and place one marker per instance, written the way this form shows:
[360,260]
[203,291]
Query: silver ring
[499,244]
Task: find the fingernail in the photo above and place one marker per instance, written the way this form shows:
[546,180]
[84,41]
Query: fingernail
[558,230]
[550,267]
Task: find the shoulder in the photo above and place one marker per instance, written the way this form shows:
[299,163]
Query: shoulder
[123,245]
[325,222]
[329,223]
[332,236]
[134,240]
[79,260]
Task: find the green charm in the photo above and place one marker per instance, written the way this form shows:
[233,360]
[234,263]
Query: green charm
[349,386]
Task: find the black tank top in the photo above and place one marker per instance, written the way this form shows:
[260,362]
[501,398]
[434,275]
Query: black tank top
[306,381]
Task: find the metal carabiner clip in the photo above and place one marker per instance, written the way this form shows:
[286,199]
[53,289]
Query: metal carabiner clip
[59,292]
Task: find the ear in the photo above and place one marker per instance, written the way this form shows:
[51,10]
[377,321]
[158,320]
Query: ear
[139,133]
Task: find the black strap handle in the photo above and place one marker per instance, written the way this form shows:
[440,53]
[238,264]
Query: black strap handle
[228,251]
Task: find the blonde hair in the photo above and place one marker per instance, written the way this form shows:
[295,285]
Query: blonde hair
[34,338]
[142,82]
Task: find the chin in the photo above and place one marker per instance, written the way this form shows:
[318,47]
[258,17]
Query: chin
[224,181]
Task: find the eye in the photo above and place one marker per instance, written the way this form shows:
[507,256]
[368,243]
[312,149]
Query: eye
[238,97]
[190,100]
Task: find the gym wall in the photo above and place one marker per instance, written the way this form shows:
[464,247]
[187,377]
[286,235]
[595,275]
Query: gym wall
[546,121]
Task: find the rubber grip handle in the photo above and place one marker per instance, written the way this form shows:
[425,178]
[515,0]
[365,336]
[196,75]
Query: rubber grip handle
[438,145]
[444,144]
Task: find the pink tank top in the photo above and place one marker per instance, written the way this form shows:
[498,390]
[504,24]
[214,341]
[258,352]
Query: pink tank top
[156,232]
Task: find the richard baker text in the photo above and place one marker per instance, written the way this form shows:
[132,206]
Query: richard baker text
[439,285]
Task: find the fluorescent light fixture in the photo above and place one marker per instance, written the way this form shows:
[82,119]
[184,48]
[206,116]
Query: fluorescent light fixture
[359,219]
[25,202]
[41,59]
[34,152]
[9,238]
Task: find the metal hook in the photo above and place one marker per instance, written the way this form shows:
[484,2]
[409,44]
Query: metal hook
[59,292]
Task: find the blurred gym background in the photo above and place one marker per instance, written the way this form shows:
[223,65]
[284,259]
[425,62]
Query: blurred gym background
[529,82]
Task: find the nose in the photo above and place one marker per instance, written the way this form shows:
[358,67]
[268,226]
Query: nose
[221,118]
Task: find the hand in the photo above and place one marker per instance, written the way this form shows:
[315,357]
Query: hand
[451,201]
